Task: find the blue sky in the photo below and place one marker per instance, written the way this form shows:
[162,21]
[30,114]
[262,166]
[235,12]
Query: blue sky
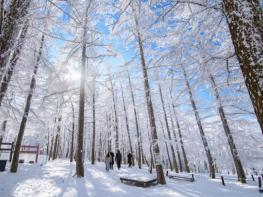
[126,53]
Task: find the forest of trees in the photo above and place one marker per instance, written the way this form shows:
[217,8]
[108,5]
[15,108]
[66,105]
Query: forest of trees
[177,83]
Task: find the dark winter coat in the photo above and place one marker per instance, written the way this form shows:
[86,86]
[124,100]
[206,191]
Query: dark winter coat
[112,157]
[129,158]
[118,157]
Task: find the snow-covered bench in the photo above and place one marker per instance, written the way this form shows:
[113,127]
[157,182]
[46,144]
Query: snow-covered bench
[139,183]
[183,178]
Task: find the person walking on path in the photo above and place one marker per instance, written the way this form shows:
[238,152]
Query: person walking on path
[112,160]
[118,159]
[108,161]
[129,159]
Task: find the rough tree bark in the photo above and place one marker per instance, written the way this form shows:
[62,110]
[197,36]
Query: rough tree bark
[14,163]
[16,12]
[1,15]
[200,126]
[156,150]
[14,56]
[245,22]
[239,168]
[169,133]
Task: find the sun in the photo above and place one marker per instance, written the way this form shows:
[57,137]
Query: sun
[74,75]
[72,72]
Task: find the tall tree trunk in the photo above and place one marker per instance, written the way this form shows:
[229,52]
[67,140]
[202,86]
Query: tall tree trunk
[141,147]
[80,151]
[156,150]
[63,147]
[68,148]
[51,148]
[48,142]
[182,147]
[57,140]
[2,132]
[55,150]
[1,15]
[151,154]
[136,123]
[108,120]
[93,129]
[16,12]
[58,148]
[239,168]
[116,125]
[201,130]
[14,164]
[127,122]
[100,148]
[123,150]
[245,22]
[176,142]
[14,56]
[187,169]
[169,133]
[167,149]
[72,134]
[3,128]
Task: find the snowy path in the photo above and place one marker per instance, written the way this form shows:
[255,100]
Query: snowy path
[55,179]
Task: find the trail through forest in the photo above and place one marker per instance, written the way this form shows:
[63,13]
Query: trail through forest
[56,179]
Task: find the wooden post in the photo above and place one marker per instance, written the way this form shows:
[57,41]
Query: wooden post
[37,152]
[0,147]
[223,181]
[260,185]
[11,152]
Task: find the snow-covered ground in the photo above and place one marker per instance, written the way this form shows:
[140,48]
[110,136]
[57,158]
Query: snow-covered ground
[55,178]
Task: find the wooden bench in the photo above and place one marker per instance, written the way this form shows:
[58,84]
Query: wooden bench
[139,183]
[190,179]
[7,149]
